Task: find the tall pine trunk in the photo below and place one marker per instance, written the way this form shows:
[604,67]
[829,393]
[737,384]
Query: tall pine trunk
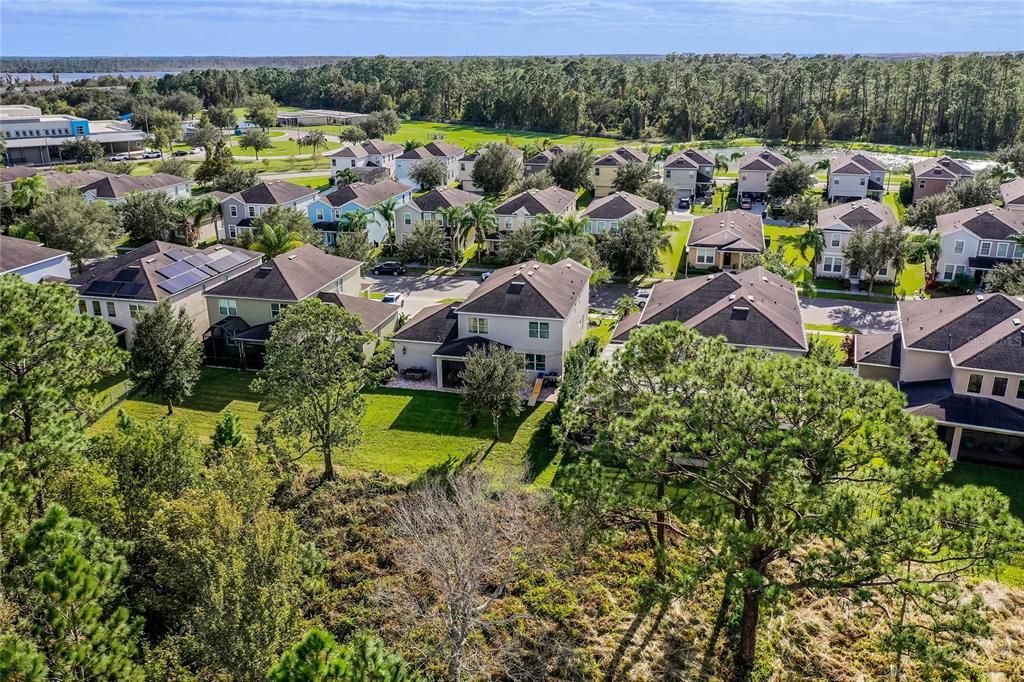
[748,633]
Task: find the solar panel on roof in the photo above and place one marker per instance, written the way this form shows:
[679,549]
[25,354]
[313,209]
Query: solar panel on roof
[102,288]
[197,259]
[175,269]
[176,254]
[129,289]
[228,262]
[126,275]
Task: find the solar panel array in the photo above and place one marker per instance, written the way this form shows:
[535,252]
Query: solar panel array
[186,271]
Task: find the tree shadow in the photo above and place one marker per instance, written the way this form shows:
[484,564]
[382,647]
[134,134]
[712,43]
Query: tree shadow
[627,639]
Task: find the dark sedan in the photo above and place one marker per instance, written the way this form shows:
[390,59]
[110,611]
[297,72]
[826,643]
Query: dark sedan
[391,267]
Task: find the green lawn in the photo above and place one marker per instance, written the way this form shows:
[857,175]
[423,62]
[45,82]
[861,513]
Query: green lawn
[892,200]
[285,164]
[907,149]
[472,137]
[316,182]
[671,258]
[404,432]
[602,330]
[832,328]
[281,147]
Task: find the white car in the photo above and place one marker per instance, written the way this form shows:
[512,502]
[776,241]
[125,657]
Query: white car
[393,298]
[152,154]
[642,297]
[119,157]
[485,275]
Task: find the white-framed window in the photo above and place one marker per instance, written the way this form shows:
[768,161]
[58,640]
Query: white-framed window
[836,181]
[407,219]
[958,246]
[134,309]
[613,224]
[82,307]
[986,249]
[337,214]
[999,386]
[920,185]
[1018,251]
[884,272]
[111,310]
[96,309]
[597,171]
[252,211]
[276,308]
[1020,390]
[462,166]
[535,362]
[951,271]
[478,325]
[599,225]
[837,239]
[540,330]
[833,264]
[233,211]
[1002,250]
[227,306]
[353,163]
[863,181]
[705,256]
[232,232]
[668,173]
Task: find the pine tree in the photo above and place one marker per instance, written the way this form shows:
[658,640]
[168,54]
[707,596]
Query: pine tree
[166,357]
[816,133]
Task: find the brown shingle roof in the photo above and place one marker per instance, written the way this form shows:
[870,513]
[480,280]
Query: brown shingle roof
[445,197]
[366,148]
[545,157]
[433,150]
[689,159]
[941,167]
[765,159]
[119,186]
[618,205]
[539,201]
[865,213]
[273,193]
[877,349]
[432,324]
[734,230]
[987,222]
[17,253]
[292,276]
[530,290]
[366,195]
[1013,192]
[622,156]
[372,314]
[855,164]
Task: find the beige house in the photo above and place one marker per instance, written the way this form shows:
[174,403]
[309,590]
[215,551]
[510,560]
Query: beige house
[540,162]
[690,173]
[114,189]
[960,360]
[522,209]
[855,176]
[607,167]
[755,170]
[1013,194]
[975,240]
[725,241]
[427,208]
[120,288]
[607,212]
[934,175]
[837,223]
[536,309]
[467,162]
[368,154]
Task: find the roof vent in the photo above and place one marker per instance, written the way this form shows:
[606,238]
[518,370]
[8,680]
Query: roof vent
[732,297]
[710,277]
[750,298]
[293,256]
[218,247]
[151,260]
[266,267]
[981,297]
[944,162]
[1016,322]
[515,288]
[763,278]
[530,273]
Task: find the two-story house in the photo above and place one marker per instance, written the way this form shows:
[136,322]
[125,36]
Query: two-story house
[238,210]
[935,175]
[242,311]
[607,212]
[855,176]
[753,309]
[427,207]
[607,167]
[32,261]
[960,360]
[690,173]
[366,154]
[837,223]
[114,189]
[327,212]
[448,154]
[726,241]
[975,240]
[1013,194]
[522,209]
[755,170]
[467,162]
[120,288]
[538,310]
[539,162]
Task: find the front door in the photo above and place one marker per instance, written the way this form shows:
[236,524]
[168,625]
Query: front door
[726,260]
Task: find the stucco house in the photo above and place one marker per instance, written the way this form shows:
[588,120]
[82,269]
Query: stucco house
[536,309]
[539,162]
[367,154]
[426,207]
[960,360]
[1013,194]
[607,167]
[755,170]
[328,211]
[114,189]
[239,209]
[120,288]
[448,154]
[32,261]
[855,176]
[726,241]
[975,240]
[837,223]
[522,209]
[690,173]
[242,311]
[605,213]
[467,162]
[934,175]
[753,309]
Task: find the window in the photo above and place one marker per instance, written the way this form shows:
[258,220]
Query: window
[276,308]
[1020,390]
[232,232]
[134,309]
[597,171]
[986,248]
[999,386]
[837,239]
[462,166]
[951,271]
[353,163]
[536,363]
[920,184]
[884,272]
[539,330]
[96,308]
[832,264]
[958,246]
[478,325]
[705,256]
[863,181]
[407,219]
[974,383]
[227,306]
[337,214]
[1002,250]
[319,215]
[81,307]
[234,211]
[836,181]
[668,173]
[252,211]
[599,226]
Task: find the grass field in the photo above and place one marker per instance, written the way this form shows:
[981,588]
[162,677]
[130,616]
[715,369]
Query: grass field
[281,147]
[320,182]
[671,258]
[472,137]
[832,328]
[405,432]
[602,330]
[892,200]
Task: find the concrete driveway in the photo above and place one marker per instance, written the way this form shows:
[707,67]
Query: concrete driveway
[422,290]
[870,318]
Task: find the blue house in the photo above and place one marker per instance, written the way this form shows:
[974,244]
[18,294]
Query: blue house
[328,211]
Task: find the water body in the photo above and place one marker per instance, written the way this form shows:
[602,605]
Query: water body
[70,77]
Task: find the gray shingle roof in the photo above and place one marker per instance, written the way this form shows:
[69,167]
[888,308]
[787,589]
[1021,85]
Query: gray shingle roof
[119,186]
[689,159]
[936,399]
[762,160]
[273,193]
[434,150]
[621,157]
[877,349]
[617,206]
[735,230]
[366,195]
[987,222]
[539,201]
[530,290]
[865,213]
[445,197]
[941,167]
[372,314]
[1013,192]
[17,253]
[432,324]
[292,276]
[855,164]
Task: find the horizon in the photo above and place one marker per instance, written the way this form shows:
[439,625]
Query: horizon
[187,28]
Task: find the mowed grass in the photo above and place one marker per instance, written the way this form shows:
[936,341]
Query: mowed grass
[405,432]
[672,257]
[316,182]
[281,147]
[473,137]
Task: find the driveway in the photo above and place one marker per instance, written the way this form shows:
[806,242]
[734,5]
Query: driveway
[422,290]
[870,318]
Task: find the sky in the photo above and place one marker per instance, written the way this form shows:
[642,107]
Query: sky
[506,27]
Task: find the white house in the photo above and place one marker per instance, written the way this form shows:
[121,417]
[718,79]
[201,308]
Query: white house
[837,223]
[1013,194]
[607,212]
[239,209]
[536,309]
[371,153]
[521,209]
[974,240]
[855,176]
[755,170]
[32,261]
[690,173]
[448,154]
[114,189]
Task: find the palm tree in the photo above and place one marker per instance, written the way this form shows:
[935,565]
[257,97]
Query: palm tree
[184,215]
[925,247]
[810,240]
[458,224]
[574,223]
[481,215]
[736,156]
[548,226]
[409,145]
[356,221]
[315,139]
[656,218]
[207,206]
[721,163]
[386,210]
[344,177]
[28,192]
[273,241]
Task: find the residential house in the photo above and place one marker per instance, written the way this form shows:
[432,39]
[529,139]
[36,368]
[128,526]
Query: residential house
[934,175]
[522,209]
[243,310]
[855,176]
[690,173]
[539,162]
[239,209]
[975,240]
[753,309]
[120,288]
[32,261]
[427,207]
[1013,194]
[466,164]
[536,309]
[605,213]
[368,154]
[755,170]
[960,361]
[448,154]
[328,210]
[114,189]
[318,117]
[33,138]
[837,223]
[726,241]
[607,167]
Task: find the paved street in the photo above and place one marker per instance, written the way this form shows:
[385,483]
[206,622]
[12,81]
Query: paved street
[868,317]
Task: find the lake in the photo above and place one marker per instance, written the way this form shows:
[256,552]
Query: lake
[71,76]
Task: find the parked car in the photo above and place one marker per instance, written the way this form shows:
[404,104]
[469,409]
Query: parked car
[119,157]
[745,204]
[390,267]
[180,152]
[196,150]
[485,275]
[152,154]
[393,298]
[684,203]
[642,297]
